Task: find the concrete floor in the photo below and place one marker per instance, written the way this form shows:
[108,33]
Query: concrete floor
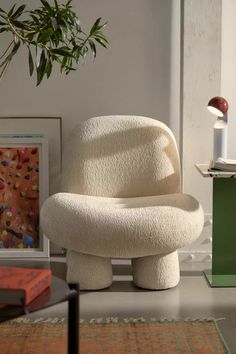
[192,298]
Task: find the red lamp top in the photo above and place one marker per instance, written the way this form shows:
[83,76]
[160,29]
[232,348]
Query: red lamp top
[218,106]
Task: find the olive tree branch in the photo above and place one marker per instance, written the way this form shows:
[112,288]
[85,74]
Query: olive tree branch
[7,50]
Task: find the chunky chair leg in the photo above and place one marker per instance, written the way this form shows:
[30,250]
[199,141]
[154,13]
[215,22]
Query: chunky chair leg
[91,272]
[156,272]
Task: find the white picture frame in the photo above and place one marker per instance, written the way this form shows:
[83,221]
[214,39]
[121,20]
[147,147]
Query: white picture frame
[51,127]
[11,142]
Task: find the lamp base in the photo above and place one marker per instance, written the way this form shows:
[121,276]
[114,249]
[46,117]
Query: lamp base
[220,139]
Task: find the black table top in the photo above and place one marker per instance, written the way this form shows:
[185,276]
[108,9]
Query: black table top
[58,292]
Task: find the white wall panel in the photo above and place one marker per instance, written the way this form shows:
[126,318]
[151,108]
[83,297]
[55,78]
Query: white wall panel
[201,77]
[228,69]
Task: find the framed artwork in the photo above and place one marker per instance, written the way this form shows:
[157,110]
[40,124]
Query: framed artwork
[51,128]
[23,188]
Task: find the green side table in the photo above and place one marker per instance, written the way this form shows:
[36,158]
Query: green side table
[223,273]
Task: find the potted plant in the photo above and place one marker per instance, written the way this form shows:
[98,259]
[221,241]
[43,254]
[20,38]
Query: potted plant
[52,34]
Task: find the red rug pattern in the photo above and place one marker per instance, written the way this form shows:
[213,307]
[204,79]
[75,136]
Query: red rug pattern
[200,337]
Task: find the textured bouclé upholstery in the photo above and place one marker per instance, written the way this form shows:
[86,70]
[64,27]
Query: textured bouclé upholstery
[121,199]
[121,157]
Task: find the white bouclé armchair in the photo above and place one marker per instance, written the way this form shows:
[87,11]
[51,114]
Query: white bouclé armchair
[121,198]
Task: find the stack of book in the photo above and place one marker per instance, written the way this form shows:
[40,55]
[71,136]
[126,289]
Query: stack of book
[223,164]
[20,286]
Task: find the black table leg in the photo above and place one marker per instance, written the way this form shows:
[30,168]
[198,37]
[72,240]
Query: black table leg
[73,320]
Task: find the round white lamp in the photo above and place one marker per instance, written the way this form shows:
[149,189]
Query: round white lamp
[219,107]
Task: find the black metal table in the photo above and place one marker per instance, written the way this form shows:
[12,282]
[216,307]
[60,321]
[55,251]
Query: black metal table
[59,292]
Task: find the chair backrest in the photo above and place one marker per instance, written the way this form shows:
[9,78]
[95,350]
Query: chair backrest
[121,156]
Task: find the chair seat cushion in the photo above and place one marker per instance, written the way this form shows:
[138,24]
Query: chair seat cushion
[122,227]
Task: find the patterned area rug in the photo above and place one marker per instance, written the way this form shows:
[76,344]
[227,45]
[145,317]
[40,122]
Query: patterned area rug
[113,337]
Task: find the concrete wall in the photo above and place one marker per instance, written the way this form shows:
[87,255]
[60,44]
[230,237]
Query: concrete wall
[201,55]
[138,74]
[208,69]
[201,77]
[228,68]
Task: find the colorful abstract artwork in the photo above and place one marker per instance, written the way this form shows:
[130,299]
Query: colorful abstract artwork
[19,197]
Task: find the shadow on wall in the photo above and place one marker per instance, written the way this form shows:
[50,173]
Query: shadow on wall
[138,161]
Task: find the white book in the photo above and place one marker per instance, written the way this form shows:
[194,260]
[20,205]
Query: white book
[224,164]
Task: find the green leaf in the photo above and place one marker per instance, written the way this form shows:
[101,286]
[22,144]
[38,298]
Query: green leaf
[49,68]
[39,77]
[35,18]
[41,69]
[38,55]
[31,63]
[64,61]
[3,16]
[2,23]
[44,36]
[16,47]
[4,29]
[95,26]
[93,48]
[101,36]
[11,11]
[62,51]
[46,5]
[63,23]
[4,70]
[13,52]
[19,24]
[101,41]
[56,5]
[19,11]
[68,4]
